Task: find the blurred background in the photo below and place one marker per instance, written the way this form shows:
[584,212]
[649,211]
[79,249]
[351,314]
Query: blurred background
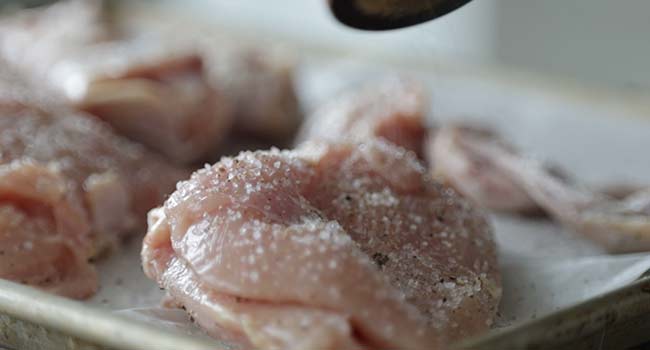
[595,42]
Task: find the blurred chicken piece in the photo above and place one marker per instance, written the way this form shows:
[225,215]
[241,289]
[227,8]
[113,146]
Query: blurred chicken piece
[260,85]
[70,189]
[484,183]
[177,93]
[331,246]
[150,88]
[618,225]
[392,109]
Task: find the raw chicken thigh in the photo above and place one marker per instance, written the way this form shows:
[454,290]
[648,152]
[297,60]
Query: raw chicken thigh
[44,232]
[178,93]
[260,86]
[478,179]
[330,246]
[392,109]
[620,225]
[153,89]
[70,188]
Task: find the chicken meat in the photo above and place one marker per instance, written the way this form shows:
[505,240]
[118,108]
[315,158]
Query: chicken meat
[331,246]
[619,225]
[151,90]
[453,162]
[178,93]
[393,109]
[150,87]
[70,189]
[259,83]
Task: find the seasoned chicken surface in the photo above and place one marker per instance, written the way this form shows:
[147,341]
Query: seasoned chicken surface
[70,188]
[620,225]
[44,231]
[393,109]
[330,246]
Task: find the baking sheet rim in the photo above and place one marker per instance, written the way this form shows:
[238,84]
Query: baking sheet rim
[104,328]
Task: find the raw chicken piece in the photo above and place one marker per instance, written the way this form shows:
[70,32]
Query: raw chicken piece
[44,231]
[392,109]
[70,189]
[260,85]
[256,77]
[453,162]
[618,225]
[331,246]
[152,89]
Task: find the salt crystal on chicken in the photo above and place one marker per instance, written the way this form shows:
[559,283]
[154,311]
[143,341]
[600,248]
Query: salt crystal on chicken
[334,271]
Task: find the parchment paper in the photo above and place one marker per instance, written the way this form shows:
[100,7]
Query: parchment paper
[545,268]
